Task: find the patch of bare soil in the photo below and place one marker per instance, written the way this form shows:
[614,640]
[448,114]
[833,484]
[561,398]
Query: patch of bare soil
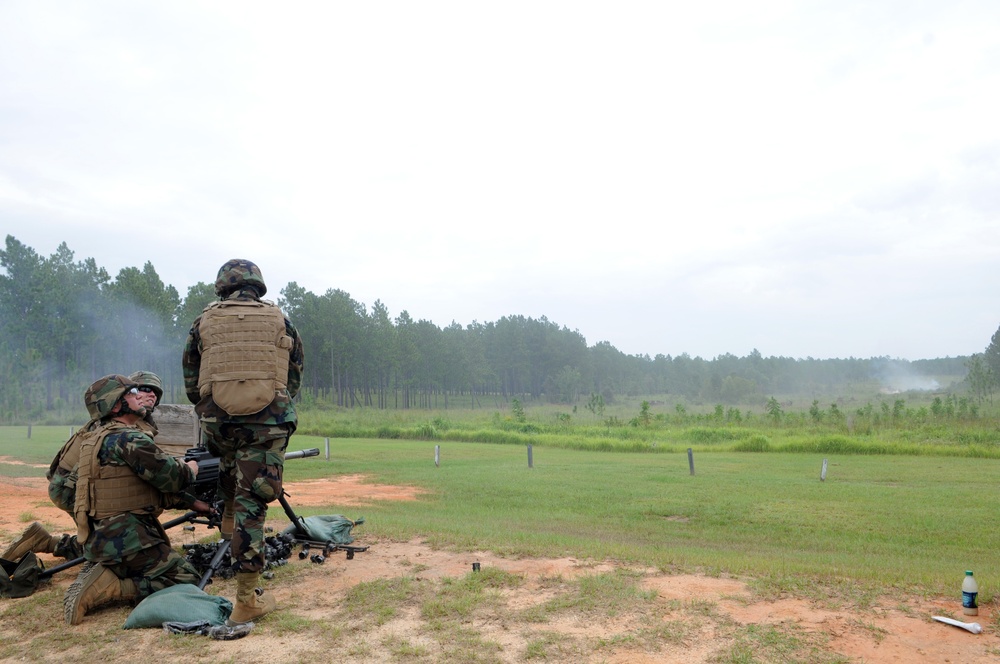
[707,612]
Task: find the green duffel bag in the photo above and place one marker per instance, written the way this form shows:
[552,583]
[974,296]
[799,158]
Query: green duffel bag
[334,528]
[21,577]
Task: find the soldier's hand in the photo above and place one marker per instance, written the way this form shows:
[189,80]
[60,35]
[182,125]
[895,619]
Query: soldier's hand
[193,465]
[201,507]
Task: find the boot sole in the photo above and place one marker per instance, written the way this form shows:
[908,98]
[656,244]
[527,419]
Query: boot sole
[75,590]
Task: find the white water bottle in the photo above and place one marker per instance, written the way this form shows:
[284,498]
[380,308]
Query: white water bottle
[970,593]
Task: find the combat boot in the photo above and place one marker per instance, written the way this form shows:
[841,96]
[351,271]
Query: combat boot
[35,538]
[95,586]
[252,602]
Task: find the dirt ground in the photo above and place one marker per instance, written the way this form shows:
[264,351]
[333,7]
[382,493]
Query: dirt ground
[901,631]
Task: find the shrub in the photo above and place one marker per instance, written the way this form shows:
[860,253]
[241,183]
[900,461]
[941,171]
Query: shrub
[709,435]
[426,432]
[755,443]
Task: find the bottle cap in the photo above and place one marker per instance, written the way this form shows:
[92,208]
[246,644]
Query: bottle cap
[968,572]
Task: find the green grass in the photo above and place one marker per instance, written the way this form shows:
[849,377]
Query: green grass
[877,522]
[643,426]
[601,596]
[888,520]
[379,600]
[777,643]
[446,609]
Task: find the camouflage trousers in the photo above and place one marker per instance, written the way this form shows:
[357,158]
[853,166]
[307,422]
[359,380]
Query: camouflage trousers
[251,463]
[154,569]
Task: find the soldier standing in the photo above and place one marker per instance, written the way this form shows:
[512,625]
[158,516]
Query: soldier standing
[242,367]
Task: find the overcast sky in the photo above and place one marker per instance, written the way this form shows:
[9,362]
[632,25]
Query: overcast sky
[810,179]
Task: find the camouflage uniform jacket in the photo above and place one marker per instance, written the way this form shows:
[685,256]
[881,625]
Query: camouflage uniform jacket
[62,480]
[118,536]
[279,411]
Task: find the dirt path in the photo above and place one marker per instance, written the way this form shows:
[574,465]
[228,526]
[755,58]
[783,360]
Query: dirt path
[900,632]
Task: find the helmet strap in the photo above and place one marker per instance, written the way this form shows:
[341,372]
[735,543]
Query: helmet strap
[126,409]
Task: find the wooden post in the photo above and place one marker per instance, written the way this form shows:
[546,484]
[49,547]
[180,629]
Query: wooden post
[327,449]
[691,460]
[437,456]
[822,474]
[29,432]
[530,463]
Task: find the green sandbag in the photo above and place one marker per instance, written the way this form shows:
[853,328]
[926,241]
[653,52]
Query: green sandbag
[326,528]
[184,602]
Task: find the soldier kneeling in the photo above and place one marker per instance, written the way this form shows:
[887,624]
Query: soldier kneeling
[121,489]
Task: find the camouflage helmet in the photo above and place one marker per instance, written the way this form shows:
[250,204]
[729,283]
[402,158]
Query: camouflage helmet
[101,397]
[237,273]
[150,380]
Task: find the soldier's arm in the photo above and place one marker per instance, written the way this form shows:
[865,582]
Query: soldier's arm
[183,500]
[191,362]
[296,360]
[152,464]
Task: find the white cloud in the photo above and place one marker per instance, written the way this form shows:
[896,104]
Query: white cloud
[806,179]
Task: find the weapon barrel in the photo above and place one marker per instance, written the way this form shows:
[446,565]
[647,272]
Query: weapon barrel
[213,567]
[301,454]
[58,568]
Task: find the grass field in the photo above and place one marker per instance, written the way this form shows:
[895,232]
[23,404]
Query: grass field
[876,523]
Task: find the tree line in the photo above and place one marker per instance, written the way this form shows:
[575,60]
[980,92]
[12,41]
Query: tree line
[64,322]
